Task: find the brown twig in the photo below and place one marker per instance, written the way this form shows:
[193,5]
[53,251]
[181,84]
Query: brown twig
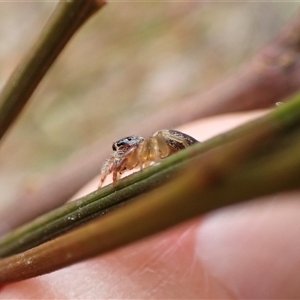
[271,76]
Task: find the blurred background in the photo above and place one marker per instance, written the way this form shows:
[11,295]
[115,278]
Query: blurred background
[129,60]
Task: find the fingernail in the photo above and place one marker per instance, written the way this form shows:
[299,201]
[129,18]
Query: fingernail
[254,248]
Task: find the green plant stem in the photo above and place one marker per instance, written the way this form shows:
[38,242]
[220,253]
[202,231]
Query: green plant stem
[88,207]
[209,182]
[100,202]
[64,22]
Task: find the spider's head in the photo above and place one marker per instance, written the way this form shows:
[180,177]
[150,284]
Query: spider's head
[126,143]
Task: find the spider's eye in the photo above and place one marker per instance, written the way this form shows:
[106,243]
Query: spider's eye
[114,147]
[129,138]
[120,143]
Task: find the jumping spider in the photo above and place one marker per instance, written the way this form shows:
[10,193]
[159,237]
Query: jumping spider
[136,152]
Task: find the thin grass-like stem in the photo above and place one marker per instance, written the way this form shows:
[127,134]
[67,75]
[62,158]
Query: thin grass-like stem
[63,23]
[272,127]
[209,182]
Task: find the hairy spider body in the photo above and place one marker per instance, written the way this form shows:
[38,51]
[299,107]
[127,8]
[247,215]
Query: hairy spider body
[136,152]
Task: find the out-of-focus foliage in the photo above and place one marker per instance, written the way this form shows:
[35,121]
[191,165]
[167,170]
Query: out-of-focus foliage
[130,60]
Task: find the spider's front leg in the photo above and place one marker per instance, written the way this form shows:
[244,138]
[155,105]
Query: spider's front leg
[106,170]
[116,176]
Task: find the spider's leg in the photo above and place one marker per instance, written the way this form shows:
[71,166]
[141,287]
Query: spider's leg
[106,170]
[128,161]
[154,149]
[143,153]
[162,144]
[116,177]
[132,158]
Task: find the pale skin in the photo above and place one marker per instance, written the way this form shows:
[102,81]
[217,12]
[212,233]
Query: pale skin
[245,251]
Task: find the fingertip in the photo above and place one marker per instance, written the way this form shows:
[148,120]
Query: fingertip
[253,249]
